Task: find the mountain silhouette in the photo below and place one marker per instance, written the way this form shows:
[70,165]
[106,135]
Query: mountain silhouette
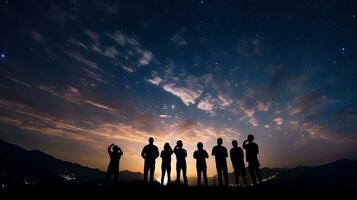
[341,173]
[19,166]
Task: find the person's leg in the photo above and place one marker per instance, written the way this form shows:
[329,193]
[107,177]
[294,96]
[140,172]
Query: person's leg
[152,172]
[259,174]
[225,174]
[163,169]
[146,169]
[236,176]
[252,173]
[107,175]
[168,174]
[116,177]
[198,176]
[184,173]
[219,174]
[178,169]
[205,176]
[244,175]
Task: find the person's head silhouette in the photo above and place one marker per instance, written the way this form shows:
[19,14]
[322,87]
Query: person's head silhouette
[234,143]
[115,148]
[250,138]
[199,145]
[219,141]
[151,140]
[166,146]
[179,144]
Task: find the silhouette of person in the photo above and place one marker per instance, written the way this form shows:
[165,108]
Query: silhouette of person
[115,154]
[237,158]
[166,163]
[220,153]
[181,155]
[150,153]
[200,155]
[251,155]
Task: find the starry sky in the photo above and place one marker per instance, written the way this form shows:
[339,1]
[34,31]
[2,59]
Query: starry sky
[78,75]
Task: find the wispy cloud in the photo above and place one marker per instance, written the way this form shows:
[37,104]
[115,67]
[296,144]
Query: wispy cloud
[178,40]
[17,81]
[278,121]
[206,105]
[307,102]
[69,93]
[73,95]
[187,95]
[85,61]
[249,113]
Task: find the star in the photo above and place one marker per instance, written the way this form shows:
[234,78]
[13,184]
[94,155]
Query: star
[172,106]
[3,56]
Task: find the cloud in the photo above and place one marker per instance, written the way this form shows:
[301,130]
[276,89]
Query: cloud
[69,93]
[19,82]
[73,95]
[155,80]
[307,102]
[224,100]
[209,103]
[278,121]
[178,40]
[206,105]
[100,106]
[123,39]
[145,58]
[187,95]
[263,106]
[249,112]
[83,60]
[134,54]
[25,117]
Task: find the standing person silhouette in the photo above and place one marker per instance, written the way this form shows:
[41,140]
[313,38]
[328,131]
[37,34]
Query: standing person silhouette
[237,158]
[166,163]
[200,155]
[181,155]
[150,153]
[251,155]
[220,153]
[115,154]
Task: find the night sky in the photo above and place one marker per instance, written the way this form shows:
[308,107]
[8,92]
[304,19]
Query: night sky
[76,76]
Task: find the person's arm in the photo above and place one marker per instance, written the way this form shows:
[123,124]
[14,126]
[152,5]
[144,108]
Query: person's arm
[110,148]
[206,154]
[213,151]
[170,150]
[194,155]
[185,153]
[226,153]
[143,153]
[257,149]
[156,152]
[120,152]
[245,144]
[175,150]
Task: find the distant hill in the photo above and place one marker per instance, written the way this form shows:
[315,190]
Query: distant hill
[18,166]
[341,173]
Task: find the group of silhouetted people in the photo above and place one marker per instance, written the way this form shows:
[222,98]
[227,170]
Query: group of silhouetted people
[150,153]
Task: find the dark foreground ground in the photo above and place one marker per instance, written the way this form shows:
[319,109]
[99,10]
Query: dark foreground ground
[142,191]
